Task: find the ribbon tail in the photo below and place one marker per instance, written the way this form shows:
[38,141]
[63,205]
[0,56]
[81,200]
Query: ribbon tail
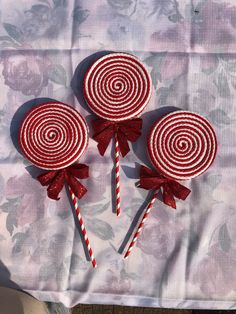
[123,143]
[56,186]
[168,196]
[179,190]
[79,171]
[47,178]
[103,132]
[102,147]
[76,187]
[103,140]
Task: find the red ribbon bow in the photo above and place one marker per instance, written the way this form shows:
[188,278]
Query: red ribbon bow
[56,179]
[128,130]
[150,179]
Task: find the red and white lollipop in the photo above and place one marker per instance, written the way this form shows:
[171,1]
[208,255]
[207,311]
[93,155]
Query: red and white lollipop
[117,88]
[182,145]
[53,136]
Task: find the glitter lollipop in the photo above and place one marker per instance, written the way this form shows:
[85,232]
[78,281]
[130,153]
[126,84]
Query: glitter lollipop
[182,145]
[117,88]
[53,136]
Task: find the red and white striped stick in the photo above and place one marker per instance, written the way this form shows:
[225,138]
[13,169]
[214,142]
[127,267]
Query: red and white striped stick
[141,225]
[117,173]
[77,209]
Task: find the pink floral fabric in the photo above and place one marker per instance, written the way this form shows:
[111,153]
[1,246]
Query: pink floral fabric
[184,258]
[27,74]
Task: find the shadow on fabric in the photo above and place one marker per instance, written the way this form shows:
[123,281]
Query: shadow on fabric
[5,278]
[19,116]
[78,76]
[33,170]
[149,118]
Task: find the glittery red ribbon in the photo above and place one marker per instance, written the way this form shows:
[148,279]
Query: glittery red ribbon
[150,179]
[56,179]
[104,130]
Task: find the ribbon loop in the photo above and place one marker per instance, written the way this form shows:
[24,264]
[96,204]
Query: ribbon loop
[77,188]
[56,185]
[128,130]
[47,178]
[150,179]
[79,171]
[56,180]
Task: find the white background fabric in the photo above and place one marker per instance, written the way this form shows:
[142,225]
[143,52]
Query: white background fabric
[184,258]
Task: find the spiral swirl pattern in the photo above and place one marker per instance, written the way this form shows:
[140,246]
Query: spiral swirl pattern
[182,145]
[117,87]
[53,136]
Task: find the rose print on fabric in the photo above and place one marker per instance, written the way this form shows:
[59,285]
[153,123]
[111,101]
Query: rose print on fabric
[24,201]
[158,239]
[210,278]
[189,50]
[209,24]
[44,20]
[43,241]
[26,73]
[167,66]
[116,284]
[30,70]
[214,272]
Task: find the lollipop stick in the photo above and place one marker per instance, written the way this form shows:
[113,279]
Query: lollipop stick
[141,225]
[77,209]
[117,174]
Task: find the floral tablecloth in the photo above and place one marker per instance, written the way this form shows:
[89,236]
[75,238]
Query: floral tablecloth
[184,258]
